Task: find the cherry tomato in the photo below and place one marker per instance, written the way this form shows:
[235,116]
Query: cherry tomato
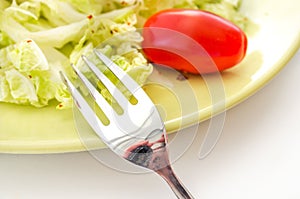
[175,37]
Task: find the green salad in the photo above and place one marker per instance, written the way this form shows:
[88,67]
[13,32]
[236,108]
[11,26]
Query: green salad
[39,38]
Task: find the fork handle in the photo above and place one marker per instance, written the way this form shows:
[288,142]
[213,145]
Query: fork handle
[176,185]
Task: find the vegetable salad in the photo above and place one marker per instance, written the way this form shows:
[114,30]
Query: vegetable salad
[39,38]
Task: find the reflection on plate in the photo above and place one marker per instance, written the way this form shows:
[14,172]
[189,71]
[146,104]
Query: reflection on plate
[273,40]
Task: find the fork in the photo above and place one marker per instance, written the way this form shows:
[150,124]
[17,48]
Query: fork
[137,132]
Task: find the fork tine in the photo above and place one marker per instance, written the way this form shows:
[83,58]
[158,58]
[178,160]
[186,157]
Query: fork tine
[131,85]
[114,91]
[99,99]
[83,106]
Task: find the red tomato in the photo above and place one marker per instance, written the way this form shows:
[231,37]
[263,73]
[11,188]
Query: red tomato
[193,41]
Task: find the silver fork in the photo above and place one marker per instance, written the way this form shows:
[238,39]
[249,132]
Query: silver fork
[135,133]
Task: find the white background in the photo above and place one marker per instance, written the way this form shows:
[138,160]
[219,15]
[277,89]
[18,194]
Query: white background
[257,156]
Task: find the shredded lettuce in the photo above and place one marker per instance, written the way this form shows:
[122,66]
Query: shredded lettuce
[228,9]
[39,38]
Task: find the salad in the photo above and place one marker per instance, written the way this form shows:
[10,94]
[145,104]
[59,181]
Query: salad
[39,38]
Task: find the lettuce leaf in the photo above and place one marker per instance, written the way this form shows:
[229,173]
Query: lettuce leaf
[39,38]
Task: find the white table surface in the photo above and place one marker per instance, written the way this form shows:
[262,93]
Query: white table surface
[257,156]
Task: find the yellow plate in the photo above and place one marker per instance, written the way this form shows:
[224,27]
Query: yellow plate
[273,40]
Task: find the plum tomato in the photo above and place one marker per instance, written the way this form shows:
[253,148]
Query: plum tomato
[170,37]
